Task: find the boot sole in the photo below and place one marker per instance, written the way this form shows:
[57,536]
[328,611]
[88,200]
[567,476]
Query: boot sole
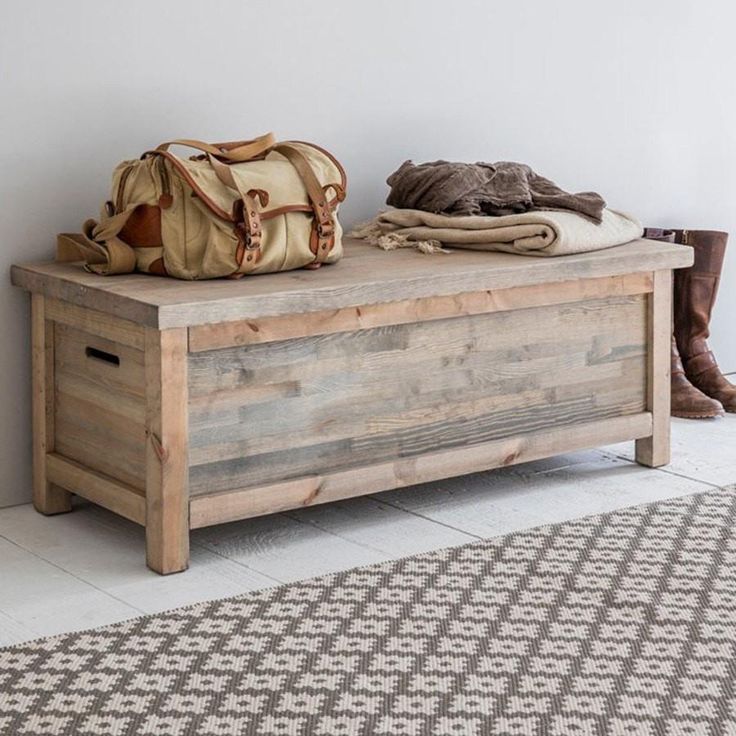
[696,415]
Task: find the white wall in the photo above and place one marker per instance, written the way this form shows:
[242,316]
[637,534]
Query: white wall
[634,99]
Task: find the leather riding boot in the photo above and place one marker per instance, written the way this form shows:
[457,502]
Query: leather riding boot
[695,294]
[686,400]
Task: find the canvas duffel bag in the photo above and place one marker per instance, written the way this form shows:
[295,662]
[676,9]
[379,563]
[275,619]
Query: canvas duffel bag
[237,208]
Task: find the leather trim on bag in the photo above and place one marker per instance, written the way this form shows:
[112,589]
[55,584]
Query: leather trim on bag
[332,203]
[268,214]
[215,209]
[314,242]
[233,151]
[324,223]
[143,228]
[158,268]
[338,165]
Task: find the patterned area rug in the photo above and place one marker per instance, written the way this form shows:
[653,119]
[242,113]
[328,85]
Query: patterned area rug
[623,623]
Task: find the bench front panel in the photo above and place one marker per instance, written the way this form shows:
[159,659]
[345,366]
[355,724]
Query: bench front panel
[264,413]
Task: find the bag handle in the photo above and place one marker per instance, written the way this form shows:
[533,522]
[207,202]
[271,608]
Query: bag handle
[234,151]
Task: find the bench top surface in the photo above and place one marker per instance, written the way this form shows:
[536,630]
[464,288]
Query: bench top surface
[366,275]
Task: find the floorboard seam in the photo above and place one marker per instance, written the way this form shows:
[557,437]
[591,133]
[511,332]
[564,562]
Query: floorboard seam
[334,534]
[679,475]
[205,547]
[434,521]
[74,575]
[371,547]
[21,624]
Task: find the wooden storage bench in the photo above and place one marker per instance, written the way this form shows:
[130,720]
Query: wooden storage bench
[184,404]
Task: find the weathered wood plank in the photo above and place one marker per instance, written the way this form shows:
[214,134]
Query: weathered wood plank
[113,401]
[352,398]
[101,439]
[48,498]
[244,503]
[340,454]
[271,329]
[654,451]
[366,276]
[98,488]
[275,427]
[111,366]
[536,332]
[99,405]
[113,328]
[167,494]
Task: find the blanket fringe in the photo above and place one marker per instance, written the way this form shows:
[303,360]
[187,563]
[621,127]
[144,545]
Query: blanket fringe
[373,235]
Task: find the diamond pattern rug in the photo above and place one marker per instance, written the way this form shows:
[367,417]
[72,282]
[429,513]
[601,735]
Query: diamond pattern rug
[623,623]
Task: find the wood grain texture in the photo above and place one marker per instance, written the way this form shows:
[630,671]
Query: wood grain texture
[113,328]
[366,275]
[271,412]
[98,488]
[271,329]
[48,497]
[654,451]
[167,494]
[332,486]
[100,406]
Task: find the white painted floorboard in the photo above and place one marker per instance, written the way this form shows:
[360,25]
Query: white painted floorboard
[704,449]
[86,569]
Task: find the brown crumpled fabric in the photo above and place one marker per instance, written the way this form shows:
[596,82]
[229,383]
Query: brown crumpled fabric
[502,188]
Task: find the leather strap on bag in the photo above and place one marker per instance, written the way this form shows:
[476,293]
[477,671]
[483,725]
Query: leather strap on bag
[98,245]
[245,213]
[233,151]
[324,219]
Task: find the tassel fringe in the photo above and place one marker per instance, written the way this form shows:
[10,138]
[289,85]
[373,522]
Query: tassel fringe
[373,235]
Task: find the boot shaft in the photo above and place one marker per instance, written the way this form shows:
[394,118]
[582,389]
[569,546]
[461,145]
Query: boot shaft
[696,288]
[695,291]
[709,247]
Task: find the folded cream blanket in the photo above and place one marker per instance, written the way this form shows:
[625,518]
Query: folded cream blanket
[536,233]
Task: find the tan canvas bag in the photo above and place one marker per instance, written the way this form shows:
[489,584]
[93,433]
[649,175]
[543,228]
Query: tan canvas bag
[237,208]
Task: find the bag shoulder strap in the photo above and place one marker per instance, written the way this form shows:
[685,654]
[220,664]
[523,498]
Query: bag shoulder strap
[324,218]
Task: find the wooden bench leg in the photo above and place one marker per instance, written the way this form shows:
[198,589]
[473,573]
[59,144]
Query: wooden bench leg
[167,471]
[47,497]
[655,450]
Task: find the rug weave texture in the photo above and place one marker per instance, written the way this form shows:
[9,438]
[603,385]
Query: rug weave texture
[623,623]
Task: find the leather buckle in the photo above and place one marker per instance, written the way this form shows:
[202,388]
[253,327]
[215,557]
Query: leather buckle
[325,230]
[252,241]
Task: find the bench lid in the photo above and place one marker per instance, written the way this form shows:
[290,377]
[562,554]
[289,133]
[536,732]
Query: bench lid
[366,275]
